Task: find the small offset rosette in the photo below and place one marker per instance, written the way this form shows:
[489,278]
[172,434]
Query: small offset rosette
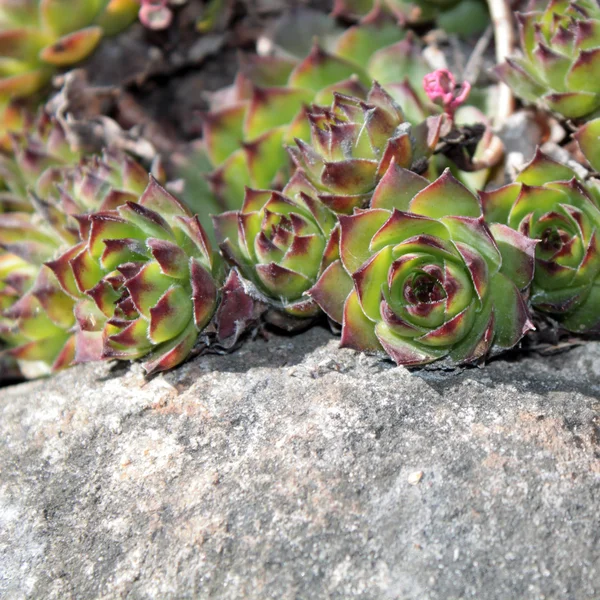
[353,143]
[145,280]
[281,243]
[549,204]
[561,57]
[425,277]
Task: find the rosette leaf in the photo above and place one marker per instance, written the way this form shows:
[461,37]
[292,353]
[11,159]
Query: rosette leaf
[281,242]
[428,278]
[560,59]
[145,281]
[549,204]
[355,141]
[37,36]
[265,109]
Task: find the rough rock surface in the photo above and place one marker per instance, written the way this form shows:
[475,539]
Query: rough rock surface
[296,470]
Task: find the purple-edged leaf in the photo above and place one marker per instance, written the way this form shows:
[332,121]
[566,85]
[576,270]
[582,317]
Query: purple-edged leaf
[402,226]
[573,105]
[445,196]
[331,290]
[478,341]
[536,200]
[149,221]
[109,226]
[477,267]
[130,335]
[476,234]
[518,254]
[172,353]
[65,356]
[344,204]
[223,131]
[46,350]
[272,107]
[458,287]
[510,312]
[356,233]
[55,302]
[586,317]
[397,324]
[498,203]
[397,188]
[204,293]
[352,176]
[235,312]
[172,260]
[170,315]
[369,280]
[86,270]
[542,169]
[516,77]
[588,138]
[61,267]
[583,75]
[226,226]
[399,150]
[320,69]
[403,351]
[358,332]
[452,331]
[281,282]
[304,255]
[73,47]
[156,198]
[105,297]
[122,250]
[146,287]
[589,268]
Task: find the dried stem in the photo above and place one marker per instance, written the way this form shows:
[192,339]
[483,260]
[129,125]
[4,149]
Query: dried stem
[505,40]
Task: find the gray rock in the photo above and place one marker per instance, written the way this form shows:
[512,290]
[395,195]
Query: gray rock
[296,470]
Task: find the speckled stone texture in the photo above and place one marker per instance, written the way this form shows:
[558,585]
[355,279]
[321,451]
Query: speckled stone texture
[294,470]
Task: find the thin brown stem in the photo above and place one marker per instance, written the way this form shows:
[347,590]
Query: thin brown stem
[504,35]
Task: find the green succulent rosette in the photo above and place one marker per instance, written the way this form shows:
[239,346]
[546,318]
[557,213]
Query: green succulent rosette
[421,277]
[39,36]
[36,318]
[561,58]
[144,280]
[354,141]
[464,17]
[244,137]
[549,204]
[281,242]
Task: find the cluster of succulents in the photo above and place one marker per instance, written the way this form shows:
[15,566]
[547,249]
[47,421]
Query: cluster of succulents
[560,44]
[266,108]
[333,201]
[39,36]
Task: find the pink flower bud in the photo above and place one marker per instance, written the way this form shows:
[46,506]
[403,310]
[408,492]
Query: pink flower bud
[155,14]
[442,89]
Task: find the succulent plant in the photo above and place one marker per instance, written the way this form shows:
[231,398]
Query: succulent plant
[548,203]
[561,58]
[37,36]
[464,17]
[281,242]
[144,279]
[244,137]
[354,142]
[588,138]
[37,316]
[425,277]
